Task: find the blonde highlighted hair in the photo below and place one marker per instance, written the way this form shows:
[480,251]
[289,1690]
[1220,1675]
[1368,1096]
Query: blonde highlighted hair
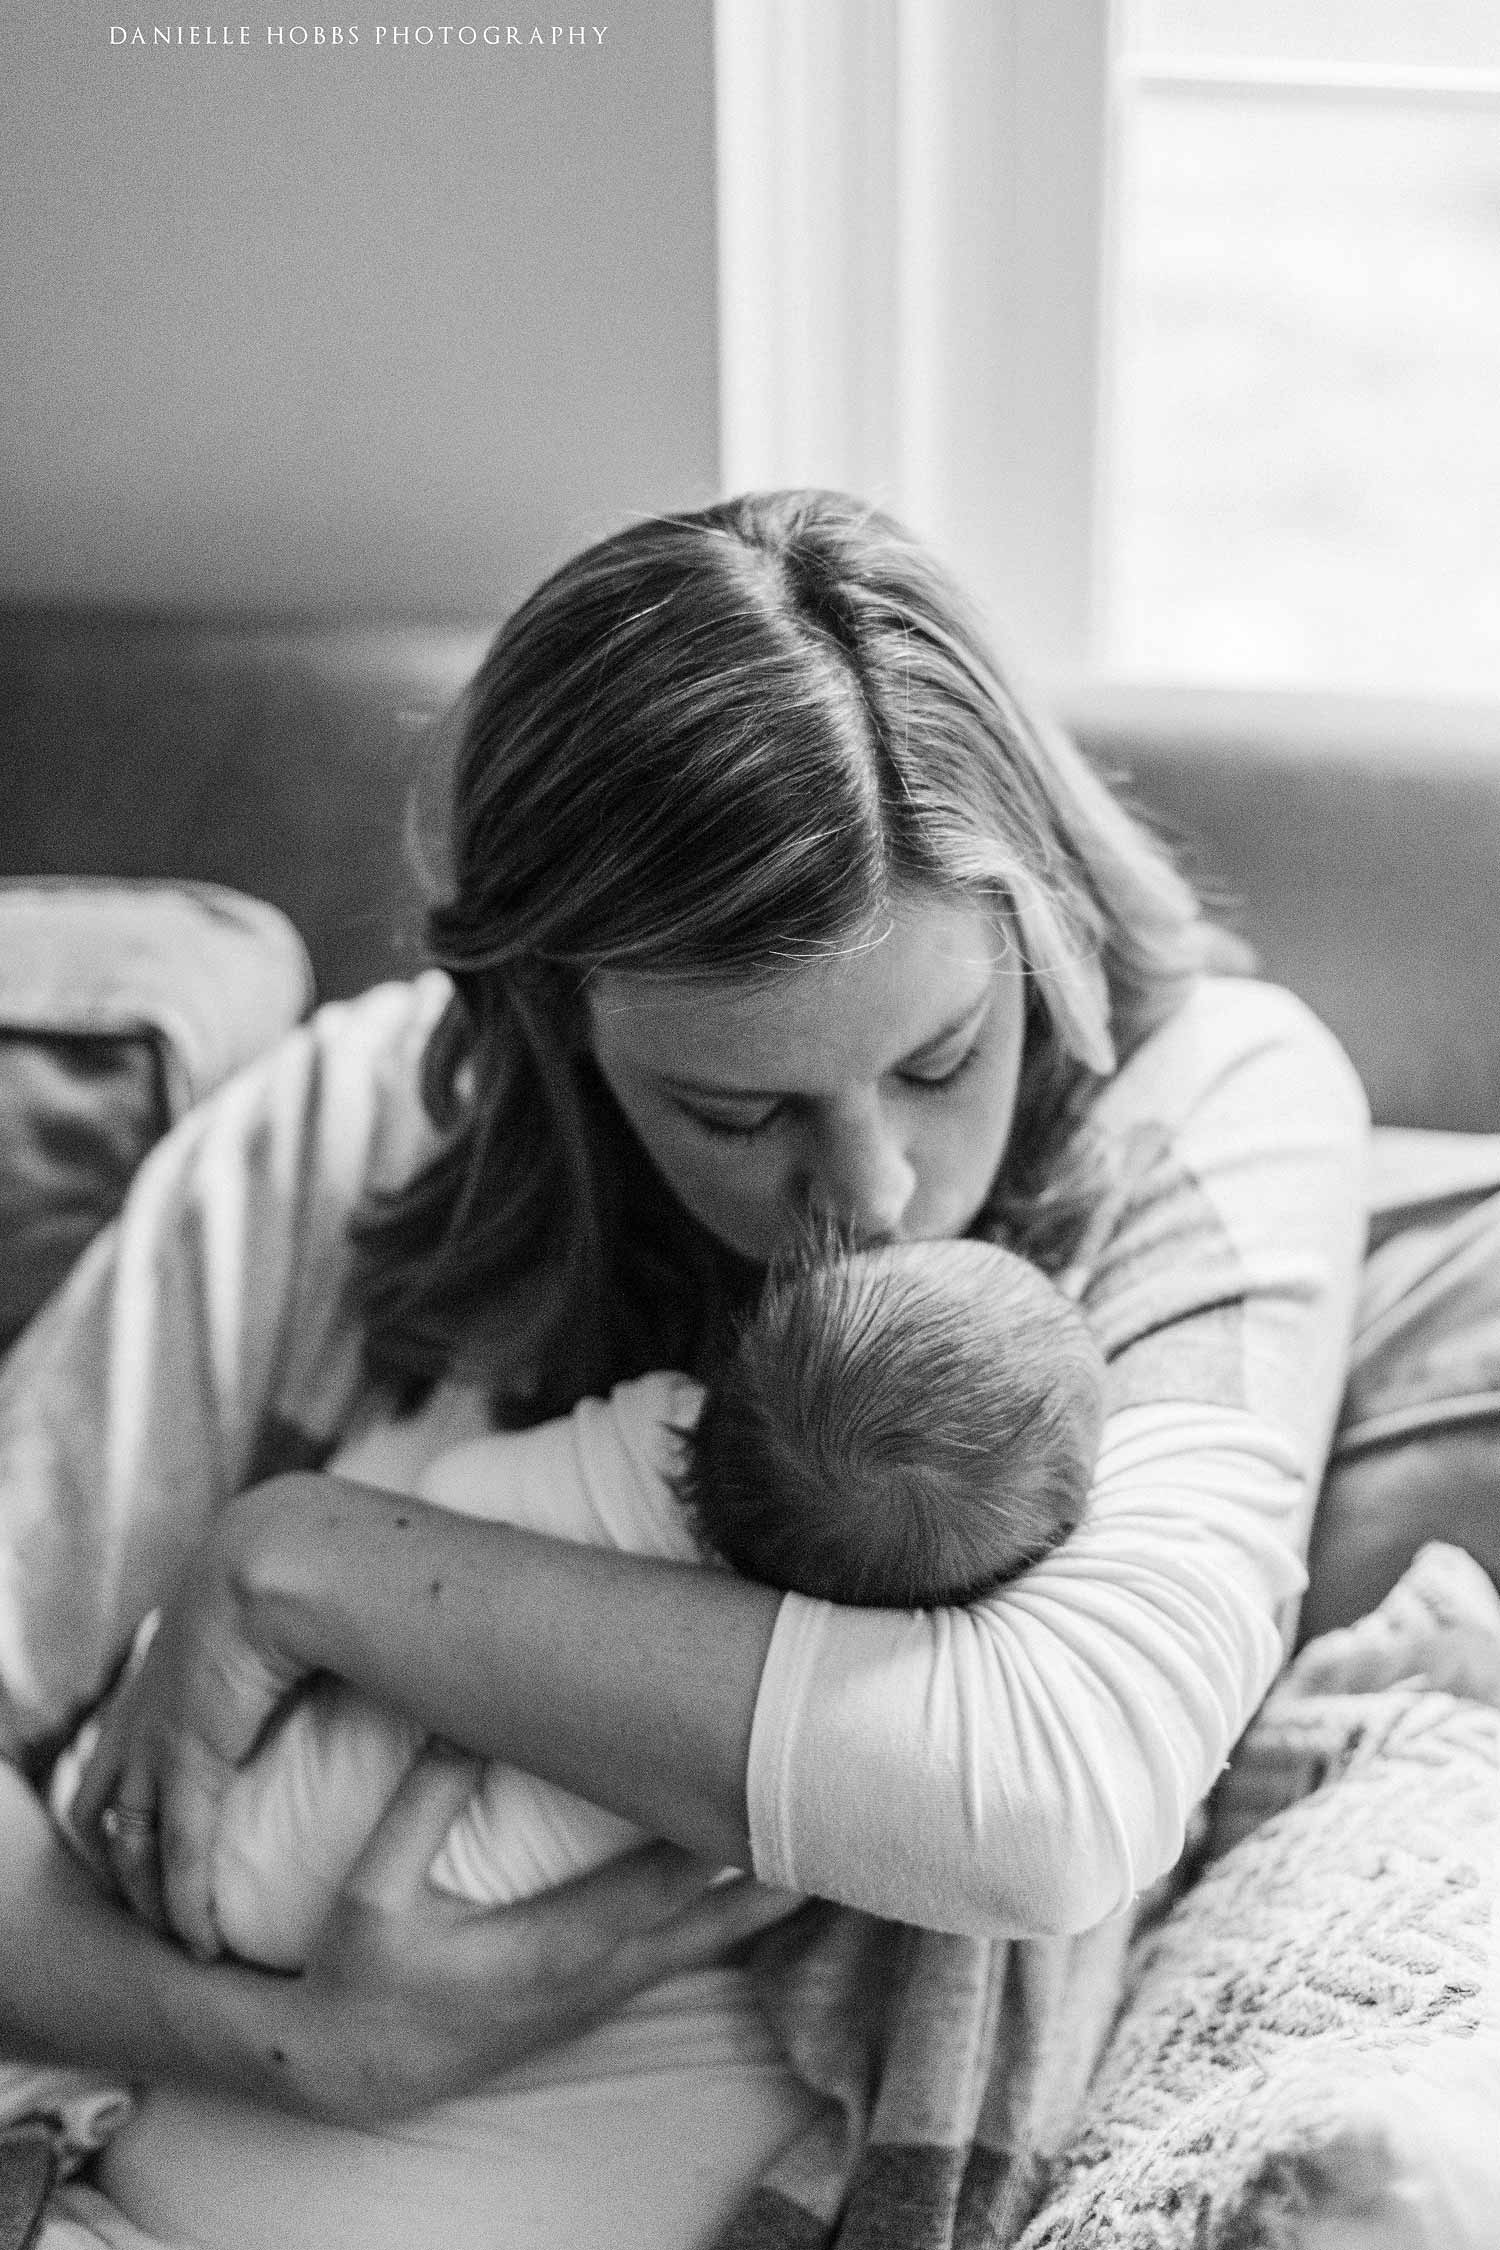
[713,745]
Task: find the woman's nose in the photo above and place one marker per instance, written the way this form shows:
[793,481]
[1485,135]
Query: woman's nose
[862,1175]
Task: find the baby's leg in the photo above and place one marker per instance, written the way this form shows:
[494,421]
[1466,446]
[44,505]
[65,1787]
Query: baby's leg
[297,1817]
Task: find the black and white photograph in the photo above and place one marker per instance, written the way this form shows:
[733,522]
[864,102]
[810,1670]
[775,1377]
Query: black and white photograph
[750,1127]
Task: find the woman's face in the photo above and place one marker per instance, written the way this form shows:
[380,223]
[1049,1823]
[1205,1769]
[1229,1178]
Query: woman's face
[876,1088]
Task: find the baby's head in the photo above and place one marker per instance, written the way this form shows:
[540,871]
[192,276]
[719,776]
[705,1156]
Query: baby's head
[899,1427]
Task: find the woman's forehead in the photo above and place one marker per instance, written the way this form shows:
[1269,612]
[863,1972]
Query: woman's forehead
[927,975]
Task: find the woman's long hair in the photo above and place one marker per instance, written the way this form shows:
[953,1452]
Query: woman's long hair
[719,745]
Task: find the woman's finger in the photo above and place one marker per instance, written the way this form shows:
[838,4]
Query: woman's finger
[192,1805]
[128,1825]
[653,1913]
[723,1917]
[83,1783]
[582,1924]
[392,1868]
[110,1727]
[113,1808]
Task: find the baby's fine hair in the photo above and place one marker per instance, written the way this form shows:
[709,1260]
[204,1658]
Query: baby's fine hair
[898,1427]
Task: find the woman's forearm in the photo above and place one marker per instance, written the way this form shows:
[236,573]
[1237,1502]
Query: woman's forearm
[1020,1767]
[1030,1764]
[630,1681]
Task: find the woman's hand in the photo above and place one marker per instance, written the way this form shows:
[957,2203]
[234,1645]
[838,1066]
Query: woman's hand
[629,1681]
[187,1711]
[411,1994]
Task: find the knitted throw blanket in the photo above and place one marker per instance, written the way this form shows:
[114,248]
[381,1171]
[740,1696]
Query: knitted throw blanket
[1326,1949]
[1337,1949]
[1342,1933]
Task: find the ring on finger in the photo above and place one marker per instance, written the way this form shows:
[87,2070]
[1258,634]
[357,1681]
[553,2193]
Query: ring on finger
[124,1826]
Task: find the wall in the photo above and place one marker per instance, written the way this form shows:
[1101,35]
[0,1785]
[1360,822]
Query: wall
[353,328]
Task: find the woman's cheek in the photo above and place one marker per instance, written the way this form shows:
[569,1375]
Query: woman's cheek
[740,1191]
[947,1197]
[748,1204]
[958,1158]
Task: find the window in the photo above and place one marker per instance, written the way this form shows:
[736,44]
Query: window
[1176,323]
[1302,445]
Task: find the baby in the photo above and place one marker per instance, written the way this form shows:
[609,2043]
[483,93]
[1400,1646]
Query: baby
[904,1426]
[898,1428]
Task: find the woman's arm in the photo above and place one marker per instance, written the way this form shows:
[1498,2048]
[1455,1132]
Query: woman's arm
[409,1994]
[1030,1764]
[1024,1765]
[630,1681]
[81,1982]
[207,1331]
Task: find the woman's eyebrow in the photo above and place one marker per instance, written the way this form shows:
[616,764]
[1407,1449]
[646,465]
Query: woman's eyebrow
[698,1089]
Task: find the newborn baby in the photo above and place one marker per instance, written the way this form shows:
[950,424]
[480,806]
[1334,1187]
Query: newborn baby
[904,1426]
[898,1428]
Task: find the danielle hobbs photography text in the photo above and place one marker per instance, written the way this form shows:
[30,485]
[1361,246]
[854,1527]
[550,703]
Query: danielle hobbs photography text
[567,36]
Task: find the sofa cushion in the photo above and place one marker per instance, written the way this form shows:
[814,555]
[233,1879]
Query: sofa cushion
[121,1004]
[1356,843]
[1417,1452]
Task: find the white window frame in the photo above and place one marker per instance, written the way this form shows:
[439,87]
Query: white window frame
[913,285]
[908,191]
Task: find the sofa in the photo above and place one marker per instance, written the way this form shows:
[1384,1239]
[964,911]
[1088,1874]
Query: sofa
[259,779]
[1356,846]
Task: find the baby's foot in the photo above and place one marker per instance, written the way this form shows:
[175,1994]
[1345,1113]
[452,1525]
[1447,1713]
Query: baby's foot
[1440,1623]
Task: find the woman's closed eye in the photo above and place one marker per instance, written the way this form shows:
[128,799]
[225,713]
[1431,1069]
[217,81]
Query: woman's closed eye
[946,1074]
[735,1128]
[749,1125]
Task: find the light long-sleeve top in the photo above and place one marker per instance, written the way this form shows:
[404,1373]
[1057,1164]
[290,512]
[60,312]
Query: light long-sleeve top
[1022,1766]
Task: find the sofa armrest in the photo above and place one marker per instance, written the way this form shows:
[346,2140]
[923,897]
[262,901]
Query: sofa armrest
[121,1004]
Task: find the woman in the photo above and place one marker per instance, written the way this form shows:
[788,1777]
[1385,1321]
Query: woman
[769,895]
